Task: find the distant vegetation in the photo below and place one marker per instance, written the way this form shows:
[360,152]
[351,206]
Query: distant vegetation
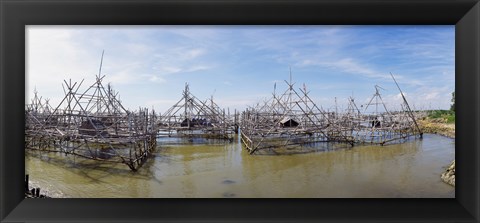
[442,116]
[439,121]
[452,108]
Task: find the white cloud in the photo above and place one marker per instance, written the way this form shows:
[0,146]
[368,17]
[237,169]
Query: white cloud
[422,98]
[347,65]
[234,103]
[150,55]
[197,68]
[432,96]
[138,49]
[53,56]
[156,79]
[193,53]
[169,69]
[55,53]
[159,105]
[180,60]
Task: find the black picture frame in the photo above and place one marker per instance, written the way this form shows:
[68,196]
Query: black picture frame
[15,14]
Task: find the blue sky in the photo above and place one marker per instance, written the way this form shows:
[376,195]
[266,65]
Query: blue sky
[238,65]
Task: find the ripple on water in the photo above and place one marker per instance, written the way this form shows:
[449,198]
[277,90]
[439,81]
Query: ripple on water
[228,194]
[228,182]
[407,170]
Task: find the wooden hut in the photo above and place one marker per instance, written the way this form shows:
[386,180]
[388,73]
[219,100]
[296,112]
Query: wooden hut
[288,122]
[93,127]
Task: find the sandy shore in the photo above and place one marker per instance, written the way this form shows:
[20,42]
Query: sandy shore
[431,126]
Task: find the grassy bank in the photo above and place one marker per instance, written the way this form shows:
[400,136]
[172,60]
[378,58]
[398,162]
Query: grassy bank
[442,116]
[440,122]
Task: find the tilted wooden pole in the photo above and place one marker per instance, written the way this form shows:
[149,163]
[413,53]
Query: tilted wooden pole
[408,106]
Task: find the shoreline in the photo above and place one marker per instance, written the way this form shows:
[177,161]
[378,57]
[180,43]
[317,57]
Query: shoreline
[34,189]
[444,129]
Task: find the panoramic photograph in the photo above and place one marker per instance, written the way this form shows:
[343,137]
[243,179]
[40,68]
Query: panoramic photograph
[240,111]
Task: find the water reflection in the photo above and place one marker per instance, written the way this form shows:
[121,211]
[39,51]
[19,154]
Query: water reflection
[214,169]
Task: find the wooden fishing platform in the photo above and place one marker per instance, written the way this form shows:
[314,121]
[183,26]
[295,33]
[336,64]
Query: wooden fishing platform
[194,118]
[292,119]
[93,125]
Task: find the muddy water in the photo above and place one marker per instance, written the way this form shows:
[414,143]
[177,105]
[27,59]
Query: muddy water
[202,170]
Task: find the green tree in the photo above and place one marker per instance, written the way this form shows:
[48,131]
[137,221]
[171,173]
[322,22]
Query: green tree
[452,108]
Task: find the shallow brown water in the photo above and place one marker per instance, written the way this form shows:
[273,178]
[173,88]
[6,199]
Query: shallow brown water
[411,169]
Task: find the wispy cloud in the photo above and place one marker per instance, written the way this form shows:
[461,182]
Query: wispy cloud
[347,65]
[148,63]
[156,79]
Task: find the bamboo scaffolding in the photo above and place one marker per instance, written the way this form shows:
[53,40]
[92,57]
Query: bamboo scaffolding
[193,118]
[286,119]
[293,119]
[91,124]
